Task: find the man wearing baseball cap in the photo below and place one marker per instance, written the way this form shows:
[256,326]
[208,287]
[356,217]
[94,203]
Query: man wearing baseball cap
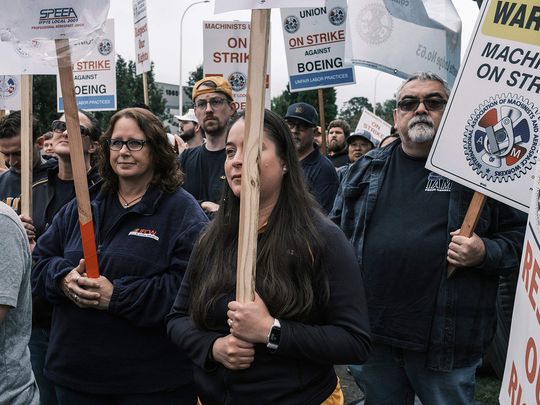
[360,142]
[190,130]
[203,165]
[302,119]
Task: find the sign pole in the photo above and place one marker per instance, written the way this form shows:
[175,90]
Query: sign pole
[145,88]
[27,145]
[249,201]
[469,222]
[65,70]
[323,124]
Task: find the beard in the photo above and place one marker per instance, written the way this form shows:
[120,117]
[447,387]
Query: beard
[187,135]
[336,146]
[421,129]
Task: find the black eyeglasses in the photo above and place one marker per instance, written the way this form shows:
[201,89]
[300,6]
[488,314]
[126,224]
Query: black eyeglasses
[60,126]
[302,126]
[132,144]
[431,103]
[214,103]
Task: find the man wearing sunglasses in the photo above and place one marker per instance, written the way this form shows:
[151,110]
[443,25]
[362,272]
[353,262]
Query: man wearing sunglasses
[203,165]
[429,331]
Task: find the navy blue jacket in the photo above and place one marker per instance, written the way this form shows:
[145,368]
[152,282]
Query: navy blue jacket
[464,320]
[124,349]
[321,178]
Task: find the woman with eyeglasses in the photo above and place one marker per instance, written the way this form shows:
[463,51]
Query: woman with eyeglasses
[108,342]
[309,311]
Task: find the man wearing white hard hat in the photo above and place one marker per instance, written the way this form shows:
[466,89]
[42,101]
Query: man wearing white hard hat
[189,129]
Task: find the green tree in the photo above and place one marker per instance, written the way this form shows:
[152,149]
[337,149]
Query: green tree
[386,110]
[194,77]
[281,102]
[352,110]
[129,90]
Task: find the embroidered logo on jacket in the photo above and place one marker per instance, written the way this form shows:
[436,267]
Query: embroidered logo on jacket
[144,233]
[436,182]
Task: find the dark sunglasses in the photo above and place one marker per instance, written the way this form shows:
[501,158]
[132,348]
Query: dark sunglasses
[431,103]
[60,126]
[302,126]
[132,144]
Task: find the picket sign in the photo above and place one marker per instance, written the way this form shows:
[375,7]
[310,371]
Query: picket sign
[27,145]
[67,85]
[254,119]
[470,221]
[322,123]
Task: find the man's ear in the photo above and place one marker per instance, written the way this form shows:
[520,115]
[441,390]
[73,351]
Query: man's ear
[94,145]
[40,141]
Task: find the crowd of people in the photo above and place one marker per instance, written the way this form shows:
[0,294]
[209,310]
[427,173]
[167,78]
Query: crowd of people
[352,253]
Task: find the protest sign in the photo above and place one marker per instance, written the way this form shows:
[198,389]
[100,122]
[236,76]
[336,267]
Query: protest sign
[488,137]
[26,20]
[10,92]
[142,45]
[222,6]
[401,37]
[378,127]
[521,381]
[315,46]
[17,59]
[95,76]
[226,54]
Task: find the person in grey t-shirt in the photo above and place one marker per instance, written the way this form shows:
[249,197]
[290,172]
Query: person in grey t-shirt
[17,383]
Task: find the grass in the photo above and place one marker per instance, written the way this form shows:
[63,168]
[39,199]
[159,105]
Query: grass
[487,390]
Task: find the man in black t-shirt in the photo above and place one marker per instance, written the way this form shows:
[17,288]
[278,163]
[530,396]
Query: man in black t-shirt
[203,165]
[429,331]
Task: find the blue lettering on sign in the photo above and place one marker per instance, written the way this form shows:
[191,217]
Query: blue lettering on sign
[321,79]
[92,103]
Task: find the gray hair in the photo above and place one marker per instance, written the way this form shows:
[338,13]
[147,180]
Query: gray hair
[424,76]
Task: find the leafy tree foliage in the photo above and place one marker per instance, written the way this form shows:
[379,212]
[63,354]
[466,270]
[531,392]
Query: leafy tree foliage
[386,110]
[194,77]
[352,110]
[129,89]
[281,102]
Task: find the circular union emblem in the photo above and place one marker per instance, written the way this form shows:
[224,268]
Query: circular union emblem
[374,24]
[105,47]
[291,24]
[501,138]
[337,16]
[8,86]
[237,80]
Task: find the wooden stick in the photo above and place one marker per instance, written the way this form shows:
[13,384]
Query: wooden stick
[249,202]
[469,222]
[145,89]
[323,124]
[27,145]
[80,180]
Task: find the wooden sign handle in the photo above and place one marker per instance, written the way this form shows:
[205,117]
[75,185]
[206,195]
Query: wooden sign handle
[249,201]
[323,124]
[27,145]
[469,222]
[145,89]
[65,70]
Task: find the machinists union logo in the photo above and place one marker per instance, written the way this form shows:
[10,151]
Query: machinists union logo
[501,138]
[291,24]
[105,47]
[337,16]
[374,24]
[238,81]
[8,86]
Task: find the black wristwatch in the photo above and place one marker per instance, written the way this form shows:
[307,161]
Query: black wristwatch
[274,336]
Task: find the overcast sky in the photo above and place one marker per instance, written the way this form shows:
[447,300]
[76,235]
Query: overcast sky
[164,30]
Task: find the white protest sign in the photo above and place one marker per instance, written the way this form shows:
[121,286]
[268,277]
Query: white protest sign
[25,20]
[142,45]
[226,53]
[95,76]
[378,127]
[400,37]
[315,46]
[17,60]
[10,92]
[488,137]
[222,6]
[521,381]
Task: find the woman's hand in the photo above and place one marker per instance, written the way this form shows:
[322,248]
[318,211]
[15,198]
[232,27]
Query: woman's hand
[233,353]
[73,287]
[100,286]
[30,230]
[250,321]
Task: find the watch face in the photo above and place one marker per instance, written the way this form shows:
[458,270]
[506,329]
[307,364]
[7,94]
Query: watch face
[275,334]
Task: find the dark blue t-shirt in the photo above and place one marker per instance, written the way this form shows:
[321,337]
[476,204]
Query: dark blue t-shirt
[404,252]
